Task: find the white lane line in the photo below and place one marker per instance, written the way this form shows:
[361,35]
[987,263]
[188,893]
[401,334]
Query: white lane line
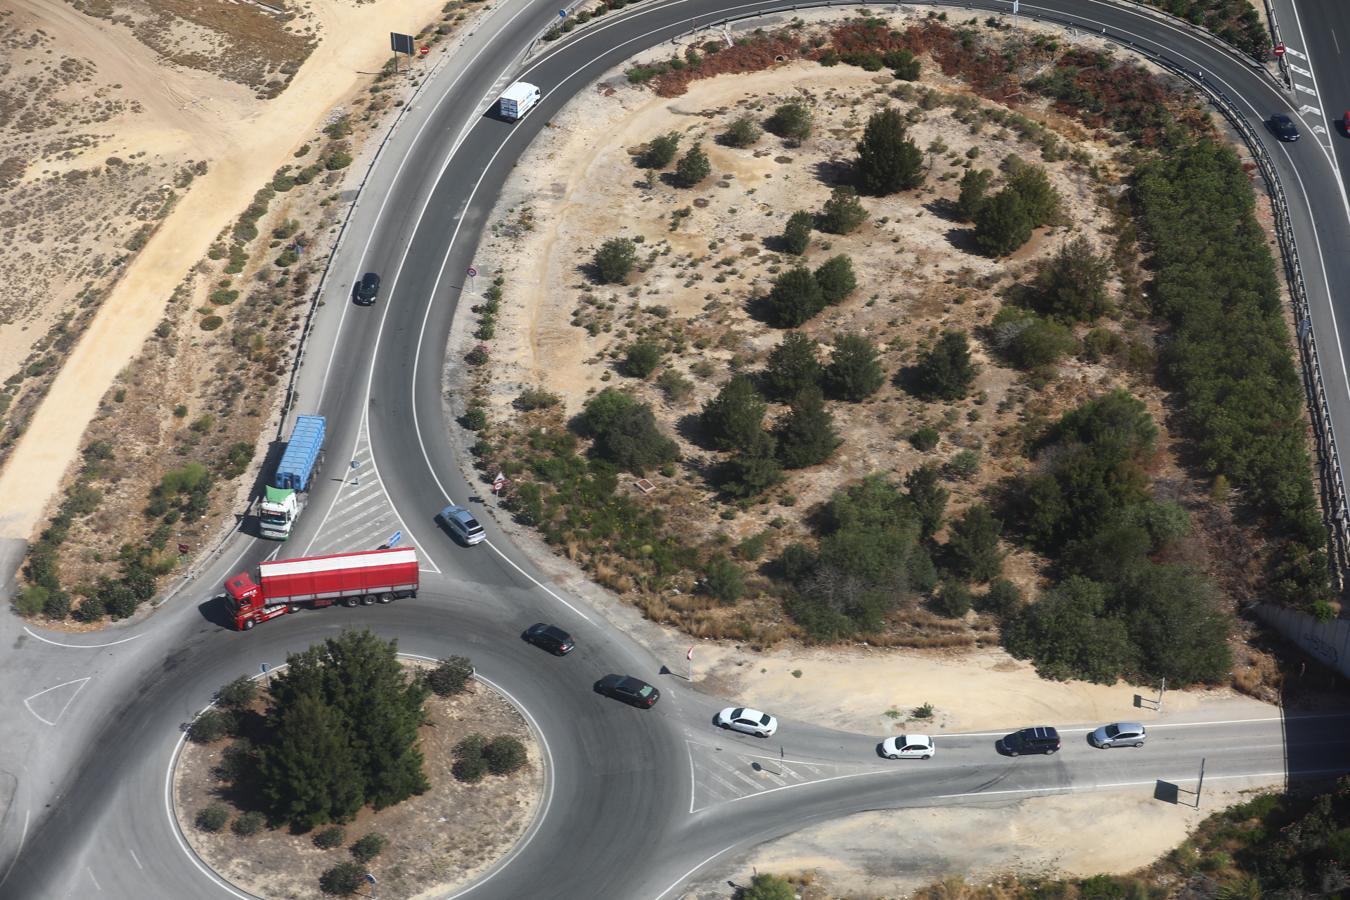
[44,640]
[97,886]
[23,836]
[135,860]
[388,194]
[80,681]
[693,782]
[178,835]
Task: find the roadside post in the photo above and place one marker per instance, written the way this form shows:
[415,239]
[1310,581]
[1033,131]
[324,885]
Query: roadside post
[473,274]
[689,658]
[356,476]
[267,680]
[370,879]
[1200,786]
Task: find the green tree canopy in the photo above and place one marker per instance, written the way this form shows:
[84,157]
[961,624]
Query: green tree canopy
[924,489]
[795,297]
[806,435]
[693,167]
[843,212]
[791,121]
[1071,286]
[974,186]
[854,372]
[1068,634]
[972,545]
[887,160]
[615,260]
[836,279]
[946,371]
[734,418]
[797,234]
[1003,223]
[792,366]
[625,432]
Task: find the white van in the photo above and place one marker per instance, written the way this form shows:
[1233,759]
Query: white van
[517,100]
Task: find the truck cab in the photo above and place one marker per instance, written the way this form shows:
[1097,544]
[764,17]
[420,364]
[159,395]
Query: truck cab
[277,512]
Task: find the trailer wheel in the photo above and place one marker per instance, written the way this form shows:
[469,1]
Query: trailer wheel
[248,624]
[292,607]
[385,598]
[350,602]
[367,599]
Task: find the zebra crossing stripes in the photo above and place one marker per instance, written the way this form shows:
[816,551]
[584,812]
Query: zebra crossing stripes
[721,773]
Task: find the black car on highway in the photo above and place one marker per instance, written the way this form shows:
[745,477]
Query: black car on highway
[550,638]
[1042,739]
[1283,127]
[628,689]
[367,289]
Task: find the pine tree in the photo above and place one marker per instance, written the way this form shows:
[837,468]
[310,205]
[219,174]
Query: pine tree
[842,212]
[795,297]
[974,185]
[693,167]
[752,471]
[735,417]
[854,372]
[797,234]
[836,279]
[887,160]
[925,491]
[296,787]
[946,372]
[806,435]
[792,366]
[973,545]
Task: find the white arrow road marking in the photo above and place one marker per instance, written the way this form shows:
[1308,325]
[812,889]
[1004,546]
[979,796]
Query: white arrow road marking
[1306,90]
[80,681]
[1307,110]
[1296,69]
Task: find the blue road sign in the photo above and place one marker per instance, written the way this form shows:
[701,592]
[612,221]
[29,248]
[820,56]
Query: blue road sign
[398,536]
[370,878]
[562,13]
[263,668]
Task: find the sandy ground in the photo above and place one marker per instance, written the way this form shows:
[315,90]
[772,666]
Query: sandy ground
[244,145]
[888,854]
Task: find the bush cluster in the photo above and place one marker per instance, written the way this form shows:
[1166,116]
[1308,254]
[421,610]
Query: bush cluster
[798,294]
[476,756]
[624,432]
[450,677]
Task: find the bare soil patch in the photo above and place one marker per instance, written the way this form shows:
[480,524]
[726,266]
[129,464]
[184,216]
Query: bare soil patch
[437,841]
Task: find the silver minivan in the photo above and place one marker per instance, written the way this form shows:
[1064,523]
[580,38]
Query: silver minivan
[1119,734]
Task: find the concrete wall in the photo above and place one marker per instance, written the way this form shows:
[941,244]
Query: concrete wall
[1325,641]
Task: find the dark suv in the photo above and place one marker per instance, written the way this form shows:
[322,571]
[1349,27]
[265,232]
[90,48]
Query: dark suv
[1043,739]
[367,289]
[629,690]
[550,638]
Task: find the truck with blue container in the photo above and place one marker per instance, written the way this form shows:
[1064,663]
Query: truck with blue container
[283,495]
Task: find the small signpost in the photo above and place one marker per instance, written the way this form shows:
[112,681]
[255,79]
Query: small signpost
[183,548]
[472,273]
[393,540]
[370,879]
[401,43]
[689,657]
[424,50]
[1279,50]
[499,483]
[262,670]
[562,13]
[356,477]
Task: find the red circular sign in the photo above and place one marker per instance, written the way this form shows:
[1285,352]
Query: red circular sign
[424,51]
[1279,49]
[473,273]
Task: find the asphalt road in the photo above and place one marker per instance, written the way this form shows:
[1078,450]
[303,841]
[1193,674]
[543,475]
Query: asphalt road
[637,800]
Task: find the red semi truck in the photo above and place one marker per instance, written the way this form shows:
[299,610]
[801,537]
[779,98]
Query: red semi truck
[350,578]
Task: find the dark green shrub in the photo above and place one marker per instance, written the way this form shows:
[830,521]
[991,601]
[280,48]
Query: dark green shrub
[504,755]
[369,846]
[854,372]
[1071,286]
[723,581]
[1003,598]
[946,371]
[797,234]
[792,367]
[57,605]
[249,823]
[641,359]
[625,432]
[238,694]
[210,725]
[836,279]
[972,545]
[925,439]
[888,161]
[843,213]
[692,168]
[1003,223]
[212,818]
[91,609]
[903,63]
[795,297]
[952,601]
[974,186]
[470,769]
[791,121]
[806,435]
[659,152]
[734,418]
[615,260]
[451,676]
[331,837]
[750,472]
[924,490]
[343,879]
[743,132]
[674,386]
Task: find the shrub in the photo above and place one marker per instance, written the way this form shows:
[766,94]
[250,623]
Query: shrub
[91,609]
[974,186]
[797,234]
[337,158]
[973,545]
[641,359]
[210,725]
[504,755]
[743,132]
[674,386]
[659,152]
[768,887]
[836,279]
[806,435]
[1040,343]
[1003,598]
[928,498]
[946,371]
[369,846]
[854,372]
[902,63]
[1068,634]
[692,168]
[1041,200]
[450,677]
[211,323]
[734,418]
[470,769]
[625,432]
[57,605]
[30,600]
[249,823]
[925,439]
[843,213]
[953,600]
[212,818]
[791,121]
[331,837]
[795,297]
[792,367]
[615,260]
[1002,224]
[750,472]
[723,581]
[238,694]
[1071,286]
[535,398]
[1100,344]
[888,161]
[963,466]
[343,880]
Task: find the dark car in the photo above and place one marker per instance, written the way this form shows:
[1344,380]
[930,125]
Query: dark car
[1042,739]
[550,638]
[368,289]
[628,689]
[1283,127]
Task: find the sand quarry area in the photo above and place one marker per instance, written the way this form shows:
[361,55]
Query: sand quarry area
[107,128]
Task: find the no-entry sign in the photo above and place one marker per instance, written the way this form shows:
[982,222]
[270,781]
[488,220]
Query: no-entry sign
[1279,50]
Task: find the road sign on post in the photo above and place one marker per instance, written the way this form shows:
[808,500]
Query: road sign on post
[401,43]
[1279,50]
[424,50]
[394,539]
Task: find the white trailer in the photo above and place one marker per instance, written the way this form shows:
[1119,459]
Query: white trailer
[517,100]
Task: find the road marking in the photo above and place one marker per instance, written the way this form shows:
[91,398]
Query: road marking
[97,886]
[135,860]
[44,640]
[23,836]
[80,681]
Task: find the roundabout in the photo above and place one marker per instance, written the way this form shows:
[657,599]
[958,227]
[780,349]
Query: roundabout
[625,812]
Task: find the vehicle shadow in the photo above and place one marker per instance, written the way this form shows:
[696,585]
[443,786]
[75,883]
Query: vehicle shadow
[216,610]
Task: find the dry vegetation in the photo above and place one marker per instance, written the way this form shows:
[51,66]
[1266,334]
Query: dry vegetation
[707,255]
[205,389]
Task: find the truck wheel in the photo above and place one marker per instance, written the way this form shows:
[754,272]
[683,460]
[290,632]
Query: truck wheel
[248,624]
[350,602]
[367,600]
[385,598]
[292,607]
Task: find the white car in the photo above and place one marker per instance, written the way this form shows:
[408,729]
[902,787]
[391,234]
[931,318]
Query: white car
[750,721]
[907,746]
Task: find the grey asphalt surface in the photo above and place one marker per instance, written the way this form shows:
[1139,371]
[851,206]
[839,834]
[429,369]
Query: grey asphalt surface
[86,793]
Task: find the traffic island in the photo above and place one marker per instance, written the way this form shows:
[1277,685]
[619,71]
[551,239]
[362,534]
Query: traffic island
[466,820]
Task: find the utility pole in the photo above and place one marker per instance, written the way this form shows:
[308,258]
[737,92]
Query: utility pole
[1200,786]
